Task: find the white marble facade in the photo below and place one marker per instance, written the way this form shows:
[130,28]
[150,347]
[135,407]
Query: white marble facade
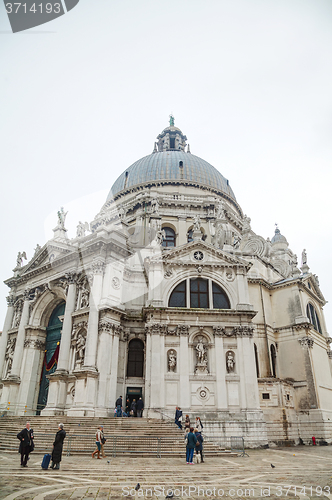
[242,341]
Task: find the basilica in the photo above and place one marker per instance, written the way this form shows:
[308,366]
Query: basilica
[169,295]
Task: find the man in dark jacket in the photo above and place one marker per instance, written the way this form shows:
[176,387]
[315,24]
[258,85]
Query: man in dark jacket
[57,448]
[191,443]
[199,444]
[26,444]
[118,405]
[178,417]
[139,407]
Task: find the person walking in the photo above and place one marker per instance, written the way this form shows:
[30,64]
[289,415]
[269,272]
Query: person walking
[140,407]
[98,443]
[26,444]
[199,444]
[178,417]
[57,447]
[133,408]
[102,441]
[127,410]
[118,405]
[191,440]
[199,425]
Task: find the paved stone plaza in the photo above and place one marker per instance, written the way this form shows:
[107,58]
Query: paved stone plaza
[240,477]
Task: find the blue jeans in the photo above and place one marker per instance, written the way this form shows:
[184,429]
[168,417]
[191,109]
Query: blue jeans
[118,411]
[190,454]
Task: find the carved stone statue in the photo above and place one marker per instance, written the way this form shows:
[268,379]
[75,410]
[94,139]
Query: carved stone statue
[18,307]
[37,249]
[177,141]
[80,348]
[220,211]
[236,241]
[304,257]
[230,362]
[171,120]
[122,213]
[246,224]
[20,257]
[160,235]
[172,361]
[160,144]
[201,355]
[155,206]
[9,355]
[197,223]
[81,228]
[84,297]
[62,218]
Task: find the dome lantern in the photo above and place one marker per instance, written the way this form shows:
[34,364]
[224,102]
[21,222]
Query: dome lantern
[170,139]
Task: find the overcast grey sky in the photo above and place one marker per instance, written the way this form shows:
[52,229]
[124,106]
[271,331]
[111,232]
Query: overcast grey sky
[248,81]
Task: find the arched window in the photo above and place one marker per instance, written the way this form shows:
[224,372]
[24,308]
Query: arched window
[203,294]
[190,236]
[313,317]
[178,296]
[220,300]
[169,238]
[135,358]
[273,360]
[256,360]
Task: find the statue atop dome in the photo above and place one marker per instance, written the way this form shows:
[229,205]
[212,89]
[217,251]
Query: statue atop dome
[171,120]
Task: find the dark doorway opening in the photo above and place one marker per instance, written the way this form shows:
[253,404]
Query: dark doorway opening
[133,393]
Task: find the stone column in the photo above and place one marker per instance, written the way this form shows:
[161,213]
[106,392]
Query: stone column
[155,366]
[162,371]
[147,395]
[252,393]
[104,366]
[18,353]
[220,369]
[184,368]
[243,292]
[64,353]
[114,367]
[92,333]
[4,336]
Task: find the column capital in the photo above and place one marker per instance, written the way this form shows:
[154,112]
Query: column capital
[183,329]
[71,277]
[98,266]
[306,342]
[10,300]
[105,326]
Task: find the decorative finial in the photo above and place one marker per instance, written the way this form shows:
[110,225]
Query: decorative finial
[171,120]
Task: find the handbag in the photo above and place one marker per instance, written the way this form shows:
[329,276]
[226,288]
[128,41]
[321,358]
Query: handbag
[103,440]
[180,419]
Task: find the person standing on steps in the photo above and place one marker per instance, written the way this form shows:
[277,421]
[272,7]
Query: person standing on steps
[118,405]
[26,444]
[140,407]
[102,441]
[178,417]
[133,408]
[199,425]
[187,423]
[199,444]
[127,410]
[191,444]
[57,447]
[98,443]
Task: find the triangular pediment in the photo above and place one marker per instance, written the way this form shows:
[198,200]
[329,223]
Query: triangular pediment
[312,283]
[199,252]
[47,254]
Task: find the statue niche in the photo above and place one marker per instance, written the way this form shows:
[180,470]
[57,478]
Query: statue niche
[201,349]
[171,361]
[78,343]
[230,362]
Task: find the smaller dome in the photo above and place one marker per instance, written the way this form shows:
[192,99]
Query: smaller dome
[278,238]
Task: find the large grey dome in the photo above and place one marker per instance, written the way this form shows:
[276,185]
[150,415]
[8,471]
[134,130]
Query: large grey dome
[170,163]
[165,167]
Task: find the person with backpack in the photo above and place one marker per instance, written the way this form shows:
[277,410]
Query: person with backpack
[102,441]
[199,425]
[199,444]
[98,443]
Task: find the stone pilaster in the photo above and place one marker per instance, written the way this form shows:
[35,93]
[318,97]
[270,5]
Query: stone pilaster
[221,388]
[104,357]
[92,333]
[64,353]
[114,366]
[4,336]
[184,368]
[18,353]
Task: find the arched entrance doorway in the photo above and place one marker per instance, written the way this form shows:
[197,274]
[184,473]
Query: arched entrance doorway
[135,368]
[53,337]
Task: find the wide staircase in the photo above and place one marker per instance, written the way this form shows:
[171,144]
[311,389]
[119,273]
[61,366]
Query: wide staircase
[124,436]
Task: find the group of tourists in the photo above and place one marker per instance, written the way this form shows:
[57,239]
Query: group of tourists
[26,438]
[193,436]
[132,409]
